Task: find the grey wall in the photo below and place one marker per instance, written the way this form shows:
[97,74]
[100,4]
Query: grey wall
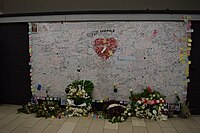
[142,54]
[34,6]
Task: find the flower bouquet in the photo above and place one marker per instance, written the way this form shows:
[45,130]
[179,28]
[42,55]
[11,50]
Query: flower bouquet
[116,112]
[79,98]
[45,109]
[149,104]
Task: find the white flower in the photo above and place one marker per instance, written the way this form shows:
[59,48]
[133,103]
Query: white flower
[122,119]
[154,112]
[73,90]
[113,118]
[89,108]
[79,86]
[80,110]
[154,95]
[152,118]
[143,106]
[139,102]
[165,109]
[114,105]
[149,114]
[131,89]
[70,115]
[161,98]
[137,113]
[129,114]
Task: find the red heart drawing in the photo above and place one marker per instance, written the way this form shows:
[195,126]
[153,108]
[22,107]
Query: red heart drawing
[105,47]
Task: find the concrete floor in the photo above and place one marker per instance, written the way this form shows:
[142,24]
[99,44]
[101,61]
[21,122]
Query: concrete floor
[12,122]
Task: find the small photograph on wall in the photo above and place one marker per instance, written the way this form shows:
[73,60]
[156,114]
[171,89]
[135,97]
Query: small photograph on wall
[34,28]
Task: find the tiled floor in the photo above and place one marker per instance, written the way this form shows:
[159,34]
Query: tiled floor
[12,122]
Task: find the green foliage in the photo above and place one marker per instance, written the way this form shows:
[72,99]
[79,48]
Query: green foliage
[86,84]
[28,108]
[48,109]
[45,109]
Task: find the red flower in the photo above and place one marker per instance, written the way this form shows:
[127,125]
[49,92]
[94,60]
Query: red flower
[149,89]
[134,99]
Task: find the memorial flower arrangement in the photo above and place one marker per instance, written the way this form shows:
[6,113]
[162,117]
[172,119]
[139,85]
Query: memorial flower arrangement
[47,109]
[149,104]
[116,111]
[79,98]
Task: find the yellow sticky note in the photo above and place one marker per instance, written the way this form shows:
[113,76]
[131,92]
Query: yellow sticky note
[188,80]
[189,62]
[189,48]
[189,44]
[32,90]
[189,40]
[101,101]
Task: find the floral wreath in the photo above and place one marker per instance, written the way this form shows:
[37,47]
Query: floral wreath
[149,104]
[79,98]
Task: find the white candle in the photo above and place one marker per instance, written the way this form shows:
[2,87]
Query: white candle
[104,48]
